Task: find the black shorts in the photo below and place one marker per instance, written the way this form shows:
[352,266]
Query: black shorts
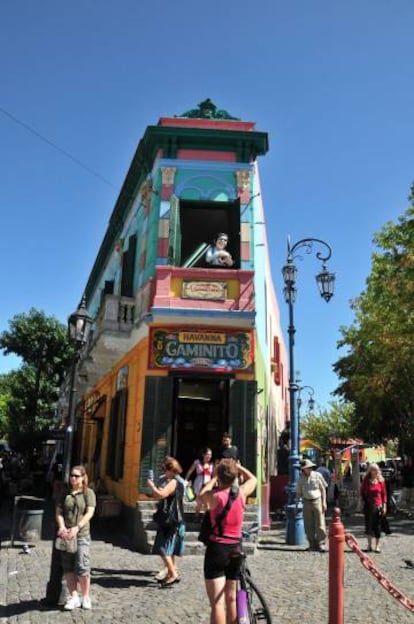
[222,560]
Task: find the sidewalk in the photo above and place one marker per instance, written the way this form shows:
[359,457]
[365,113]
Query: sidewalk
[293,582]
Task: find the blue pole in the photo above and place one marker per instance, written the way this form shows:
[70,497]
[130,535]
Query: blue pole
[295,534]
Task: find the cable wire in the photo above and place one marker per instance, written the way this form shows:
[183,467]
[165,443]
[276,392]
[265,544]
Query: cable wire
[56,147]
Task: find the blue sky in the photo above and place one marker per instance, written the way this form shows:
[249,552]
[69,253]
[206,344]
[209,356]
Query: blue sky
[331,82]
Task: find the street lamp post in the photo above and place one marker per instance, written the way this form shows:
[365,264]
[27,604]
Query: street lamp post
[311,405]
[325,281]
[79,326]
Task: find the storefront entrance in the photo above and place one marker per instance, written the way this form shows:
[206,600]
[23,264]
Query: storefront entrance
[200,416]
[182,414]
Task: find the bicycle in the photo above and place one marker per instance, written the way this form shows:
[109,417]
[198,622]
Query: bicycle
[251,606]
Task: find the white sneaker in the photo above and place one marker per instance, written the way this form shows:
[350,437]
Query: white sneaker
[73,603]
[86,602]
[162,574]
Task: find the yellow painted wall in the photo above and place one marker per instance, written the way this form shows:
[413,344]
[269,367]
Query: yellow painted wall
[136,360]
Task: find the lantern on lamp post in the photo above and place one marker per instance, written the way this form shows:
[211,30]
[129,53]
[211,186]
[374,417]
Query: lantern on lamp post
[325,281]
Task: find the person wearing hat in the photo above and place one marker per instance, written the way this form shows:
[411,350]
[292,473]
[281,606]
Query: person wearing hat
[311,488]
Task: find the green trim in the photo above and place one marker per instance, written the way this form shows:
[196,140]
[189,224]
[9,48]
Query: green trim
[247,146]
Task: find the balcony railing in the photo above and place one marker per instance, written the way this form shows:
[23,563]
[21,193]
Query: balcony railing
[203,289]
[116,314]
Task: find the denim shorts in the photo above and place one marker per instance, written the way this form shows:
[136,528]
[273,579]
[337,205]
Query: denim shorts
[78,563]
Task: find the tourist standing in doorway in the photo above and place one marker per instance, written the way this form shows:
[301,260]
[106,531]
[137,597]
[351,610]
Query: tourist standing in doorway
[203,466]
[227,450]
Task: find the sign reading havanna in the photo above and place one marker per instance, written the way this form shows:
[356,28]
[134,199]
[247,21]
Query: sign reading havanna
[201,348]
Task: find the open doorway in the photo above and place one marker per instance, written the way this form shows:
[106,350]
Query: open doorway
[201,416]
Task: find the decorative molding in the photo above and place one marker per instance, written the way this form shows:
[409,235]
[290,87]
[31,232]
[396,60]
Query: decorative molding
[146,192]
[168,175]
[243,180]
[205,290]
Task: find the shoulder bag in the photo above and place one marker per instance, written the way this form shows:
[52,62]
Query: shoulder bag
[169,514]
[69,545]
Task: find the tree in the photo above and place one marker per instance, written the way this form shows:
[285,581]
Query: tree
[336,422]
[378,368]
[28,395]
[5,396]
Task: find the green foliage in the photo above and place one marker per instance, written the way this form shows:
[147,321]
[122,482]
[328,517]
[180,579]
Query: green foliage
[5,396]
[378,368]
[334,422]
[29,394]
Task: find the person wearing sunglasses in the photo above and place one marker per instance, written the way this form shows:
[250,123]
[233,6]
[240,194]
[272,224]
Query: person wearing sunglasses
[216,254]
[74,511]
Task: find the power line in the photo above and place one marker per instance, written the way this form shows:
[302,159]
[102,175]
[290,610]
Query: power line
[56,147]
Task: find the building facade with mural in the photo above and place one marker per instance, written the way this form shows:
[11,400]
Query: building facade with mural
[186,341]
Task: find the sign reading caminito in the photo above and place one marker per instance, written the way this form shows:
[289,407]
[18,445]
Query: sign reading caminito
[195,348]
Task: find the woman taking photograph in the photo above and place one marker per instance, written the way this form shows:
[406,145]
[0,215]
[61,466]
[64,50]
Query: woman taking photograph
[374,496]
[169,541]
[220,570]
[74,510]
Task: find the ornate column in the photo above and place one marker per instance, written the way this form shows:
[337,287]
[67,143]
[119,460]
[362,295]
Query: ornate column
[167,182]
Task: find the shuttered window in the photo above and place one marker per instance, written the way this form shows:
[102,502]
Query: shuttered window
[116,437]
[174,236]
[242,420]
[156,427]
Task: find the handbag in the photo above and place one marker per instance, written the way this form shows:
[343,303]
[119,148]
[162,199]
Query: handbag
[206,528]
[169,513]
[69,545]
[189,494]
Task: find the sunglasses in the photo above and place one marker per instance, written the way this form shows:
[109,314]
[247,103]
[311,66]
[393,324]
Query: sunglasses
[76,476]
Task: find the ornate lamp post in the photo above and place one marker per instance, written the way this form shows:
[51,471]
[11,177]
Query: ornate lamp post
[311,404]
[325,281]
[79,326]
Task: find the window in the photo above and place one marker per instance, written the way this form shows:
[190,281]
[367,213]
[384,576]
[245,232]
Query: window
[116,436]
[195,224]
[128,267]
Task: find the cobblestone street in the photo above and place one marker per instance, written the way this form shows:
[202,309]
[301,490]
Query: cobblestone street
[294,583]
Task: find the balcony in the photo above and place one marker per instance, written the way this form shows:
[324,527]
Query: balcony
[116,314]
[211,296]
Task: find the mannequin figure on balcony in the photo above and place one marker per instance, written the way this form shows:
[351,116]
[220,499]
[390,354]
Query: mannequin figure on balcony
[217,255]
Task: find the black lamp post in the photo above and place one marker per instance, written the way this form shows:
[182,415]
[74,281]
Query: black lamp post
[79,326]
[311,404]
[325,281]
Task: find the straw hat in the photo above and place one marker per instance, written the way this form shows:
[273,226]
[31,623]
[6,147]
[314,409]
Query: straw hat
[306,463]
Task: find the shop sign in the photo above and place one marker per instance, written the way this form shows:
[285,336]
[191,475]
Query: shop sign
[196,289]
[201,349]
